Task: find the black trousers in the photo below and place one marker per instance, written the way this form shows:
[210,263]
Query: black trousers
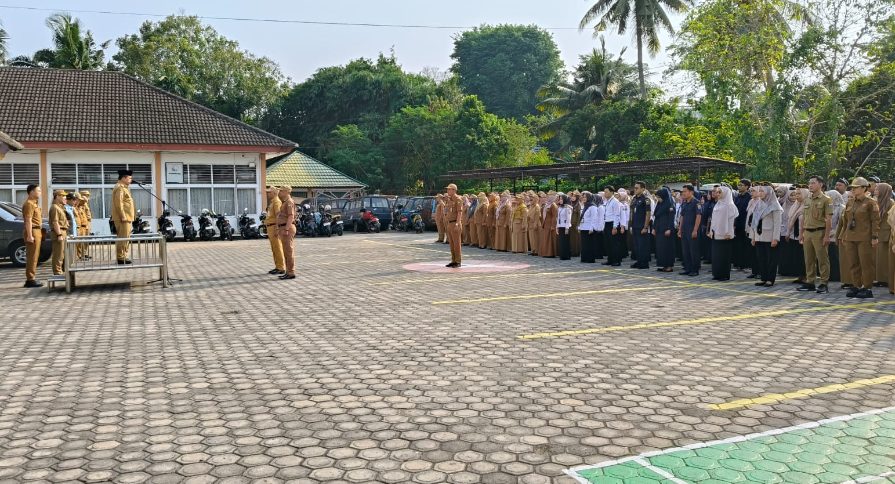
[833,250]
[742,246]
[705,246]
[767,259]
[641,247]
[690,246]
[613,244]
[589,246]
[721,253]
[564,244]
[665,248]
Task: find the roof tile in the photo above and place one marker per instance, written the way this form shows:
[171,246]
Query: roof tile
[299,170]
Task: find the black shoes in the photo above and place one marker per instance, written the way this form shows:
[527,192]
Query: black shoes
[694,274]
[617,264]
[880,284]
[124,262]
[684,273]
[286,276]
[853,292]
[453,265]
[806,287]
[276,271]
[822,289]
[33,284]
[847,286]
[751,276]
[865,294]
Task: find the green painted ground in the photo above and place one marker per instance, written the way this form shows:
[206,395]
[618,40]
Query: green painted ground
[857,451]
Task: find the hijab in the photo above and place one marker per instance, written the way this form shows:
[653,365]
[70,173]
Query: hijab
[599,199]
[589,200]
[769,205]
[622,196]
[755,201]
[885,198]
[665,202]
[795,208]
[725,213]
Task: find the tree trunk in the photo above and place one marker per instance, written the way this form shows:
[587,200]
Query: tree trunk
[640,58]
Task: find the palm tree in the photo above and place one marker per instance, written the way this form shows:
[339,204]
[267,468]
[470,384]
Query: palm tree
[598,77]
[4,51]
[71,49]
[649,18]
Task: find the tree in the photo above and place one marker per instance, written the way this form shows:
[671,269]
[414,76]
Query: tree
[185,57]
[649,18]
[505,66]
[73,47]
[4,38]
[598,77]
[351,151]
[363,92]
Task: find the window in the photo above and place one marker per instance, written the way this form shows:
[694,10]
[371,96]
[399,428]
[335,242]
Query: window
[223,201]
[5,174]
[246,199]
[15,178]
[200,174]
[200,198]
[246,175]
[377,202]
[222,174]
[99,180]
[178,199]
[21,196]
[6,194]
[91,174]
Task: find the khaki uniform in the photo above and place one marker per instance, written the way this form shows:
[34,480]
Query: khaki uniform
[891,246]
[276,245]
[817,258]
[452,212]
[492,223]
[57,214]
[85,227]
[857,242]
[31,213]
[481,216]
[504,222]
[473,227]
[464,223]
[286,221]
[520,233]
[533,226]
[439,219]
[883,252]
[122,209]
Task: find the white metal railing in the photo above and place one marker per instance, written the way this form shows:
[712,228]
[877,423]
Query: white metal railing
[99,253]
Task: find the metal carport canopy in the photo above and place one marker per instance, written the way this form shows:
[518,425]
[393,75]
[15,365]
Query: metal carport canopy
[600,168]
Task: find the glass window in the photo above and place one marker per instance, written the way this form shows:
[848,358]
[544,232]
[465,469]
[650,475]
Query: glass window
[5,174]
[223,201]
[110,173]
[107,203]
[21,196]
[222,174]
[200,198]
[61,173]
[178,200]
[26,174]
[200,174]
[247,199]
[142,201]
[142,173]
[377,202]
[5,194]
[90,174]
[245,174]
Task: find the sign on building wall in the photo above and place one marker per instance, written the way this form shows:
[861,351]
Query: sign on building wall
[174,172]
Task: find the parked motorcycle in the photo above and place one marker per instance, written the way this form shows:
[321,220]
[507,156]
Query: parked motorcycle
[166,226]
[140,226]
[338,225]
[247,227]
[308,221]
[325,224]
[399,220]
[416,222]
[206,226]
[262,230]
[370,225]
[224,227]
[187,228]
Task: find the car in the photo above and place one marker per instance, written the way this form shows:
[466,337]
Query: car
[380,206]
[427,209]
[338,205]
[12,243]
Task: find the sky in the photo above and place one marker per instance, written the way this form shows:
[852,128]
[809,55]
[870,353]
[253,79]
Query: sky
[301,49]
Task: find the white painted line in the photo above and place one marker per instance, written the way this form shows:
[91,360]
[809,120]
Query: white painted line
[734,440]
[663,473]
[862,480]
[573,475]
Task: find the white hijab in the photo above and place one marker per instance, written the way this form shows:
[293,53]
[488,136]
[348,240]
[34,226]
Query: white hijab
[724,215]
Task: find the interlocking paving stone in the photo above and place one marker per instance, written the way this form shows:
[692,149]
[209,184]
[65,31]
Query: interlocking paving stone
[363,379]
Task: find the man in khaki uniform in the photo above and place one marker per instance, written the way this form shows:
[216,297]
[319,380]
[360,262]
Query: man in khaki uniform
[32,233]
[439,217]
[286,230]
[88,219]
[815,235]
[58,230]
[453,207]
[276,246]
[858,228]
[123,213]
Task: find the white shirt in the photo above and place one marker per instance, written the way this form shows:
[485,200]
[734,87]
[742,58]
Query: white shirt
[600,224]
[613,212]
[564,217]
[590,220]
[625,215]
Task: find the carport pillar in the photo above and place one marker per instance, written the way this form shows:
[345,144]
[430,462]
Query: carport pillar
[514,186]
[45,182]
[490,184]
[698,175]
[556,183]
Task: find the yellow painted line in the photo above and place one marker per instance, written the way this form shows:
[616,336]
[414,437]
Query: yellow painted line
[466,278]
[805,393]
[558,294]
[365,261]
[685,322]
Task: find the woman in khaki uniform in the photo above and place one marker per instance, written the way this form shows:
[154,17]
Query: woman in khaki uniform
[520,234]
[473,225]
[884,199]
[859,230]
[533,222]
[464,221]
[890,219]
[481,215]
[547,247]
[492,220]
[844,262]
[504,221]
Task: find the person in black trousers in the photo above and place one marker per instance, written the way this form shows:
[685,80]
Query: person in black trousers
[688,231]
[663,229]
[722,232]
[613,230]
[741,241]
[564,227]
[765,229]
[640,225]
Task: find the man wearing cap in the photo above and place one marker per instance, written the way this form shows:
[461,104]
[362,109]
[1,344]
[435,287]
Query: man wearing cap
[123,214]
[439,217]
[276,246]
[59,225]
[71,200]
[286,230]
[88,218]
[33,218]
[453,205]
[817,214]
[858,229]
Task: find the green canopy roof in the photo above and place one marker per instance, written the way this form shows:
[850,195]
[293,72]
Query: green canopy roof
[299,170]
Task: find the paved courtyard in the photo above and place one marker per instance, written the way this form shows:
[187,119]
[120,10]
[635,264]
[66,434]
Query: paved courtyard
[362,370]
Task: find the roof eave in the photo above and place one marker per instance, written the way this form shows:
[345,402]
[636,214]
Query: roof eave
[65,145]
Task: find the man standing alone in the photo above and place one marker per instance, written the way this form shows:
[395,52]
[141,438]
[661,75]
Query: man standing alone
[123,214]
[276,246]
[286,230]
[815,235]
[858,228]
[453,206]
[33,218]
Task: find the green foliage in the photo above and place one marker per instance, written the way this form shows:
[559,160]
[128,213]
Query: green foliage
[505,66]
[192,60]
[351,151]
[73,46]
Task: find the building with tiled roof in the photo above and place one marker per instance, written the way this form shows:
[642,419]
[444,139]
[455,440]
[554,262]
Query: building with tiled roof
[309,177]
[79,128]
